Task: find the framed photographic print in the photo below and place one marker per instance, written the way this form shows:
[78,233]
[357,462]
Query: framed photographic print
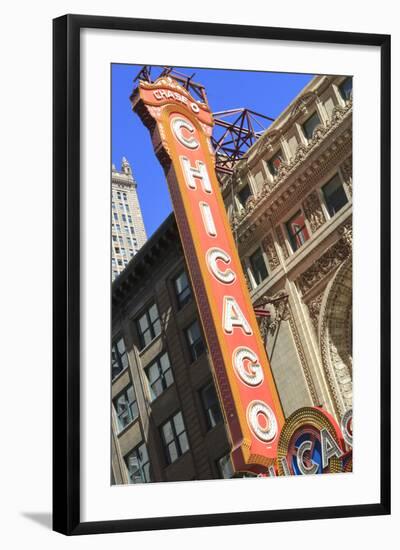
[221,260]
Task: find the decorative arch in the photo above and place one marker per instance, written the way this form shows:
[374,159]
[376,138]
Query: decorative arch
[335,337]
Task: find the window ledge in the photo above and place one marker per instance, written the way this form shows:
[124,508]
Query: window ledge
[155,339]
[113,380]
[126,428]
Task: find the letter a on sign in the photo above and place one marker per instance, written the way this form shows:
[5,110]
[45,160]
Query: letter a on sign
[181,129]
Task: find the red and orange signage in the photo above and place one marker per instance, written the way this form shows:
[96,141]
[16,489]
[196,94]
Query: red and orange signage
[181,128]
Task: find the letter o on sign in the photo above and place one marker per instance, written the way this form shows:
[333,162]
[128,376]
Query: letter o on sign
[268,432]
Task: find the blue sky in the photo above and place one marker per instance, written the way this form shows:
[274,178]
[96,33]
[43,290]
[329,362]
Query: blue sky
[263,92]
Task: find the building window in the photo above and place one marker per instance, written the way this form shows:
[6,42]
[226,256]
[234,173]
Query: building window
[129,218]
[211,406]
[119,262]
[124,196]
[127,207]
[119,357]
[113,205]
[174,438]
[310,125]
[117,227]
[148,326]
[159,375]
[225,467]
[258,267]
[334,195]
[275,162]
[297,230]
[117,250]
[182,289]
[119,195]
[126,408]
[121,239]
[132,230]
[346,88]
[195,340]
[138,465]
[114,238]
[124,218]
[244,194]
[115,216]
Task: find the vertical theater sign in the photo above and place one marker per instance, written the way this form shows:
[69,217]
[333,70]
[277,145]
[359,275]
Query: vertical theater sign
[181,128]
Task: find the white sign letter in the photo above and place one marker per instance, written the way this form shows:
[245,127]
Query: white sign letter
[177,125]
[313,469]
[254,374]
[233,316]
[329,447]
[199,171]
[213,254]
[267,432]
[208,219]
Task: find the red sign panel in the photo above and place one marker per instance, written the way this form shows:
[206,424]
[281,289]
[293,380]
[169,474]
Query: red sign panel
[181,128]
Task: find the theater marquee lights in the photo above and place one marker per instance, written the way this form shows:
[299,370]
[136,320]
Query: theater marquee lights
[181,129]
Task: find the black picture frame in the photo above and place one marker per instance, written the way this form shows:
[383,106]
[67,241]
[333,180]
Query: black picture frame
[66,272]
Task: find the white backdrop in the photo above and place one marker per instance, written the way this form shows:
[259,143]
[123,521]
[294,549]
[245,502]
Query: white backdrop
[26,276]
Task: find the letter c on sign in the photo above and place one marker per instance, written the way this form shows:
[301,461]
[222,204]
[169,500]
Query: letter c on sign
[177,125]
[213,254]
[268,432]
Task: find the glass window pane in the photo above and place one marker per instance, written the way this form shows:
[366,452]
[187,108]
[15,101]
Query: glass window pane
[172,452]
[153,313]
[131,394]
[310,125]
[297,230]
[335,196]
[169,379]
[183,443]
[244,194]
[346,88]
[258,267]
[134,410]
[275,162]
[225,467]
[178,422]
[142,453]
[124,361]
[193,332]
[121,346]
[157,387]
[167,432]
[164,361]
[146,472]
[143,323]
[146,337]
[153,372]
[157,327]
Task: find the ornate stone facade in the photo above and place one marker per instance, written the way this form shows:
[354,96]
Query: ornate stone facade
[313,211]
[270,250]
[309,341]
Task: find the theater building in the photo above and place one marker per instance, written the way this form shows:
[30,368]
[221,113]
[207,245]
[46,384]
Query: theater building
[289,203]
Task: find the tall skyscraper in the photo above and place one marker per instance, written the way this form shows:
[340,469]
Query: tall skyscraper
[128,232]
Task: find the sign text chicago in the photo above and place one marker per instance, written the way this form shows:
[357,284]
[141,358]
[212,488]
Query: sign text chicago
[181,128]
